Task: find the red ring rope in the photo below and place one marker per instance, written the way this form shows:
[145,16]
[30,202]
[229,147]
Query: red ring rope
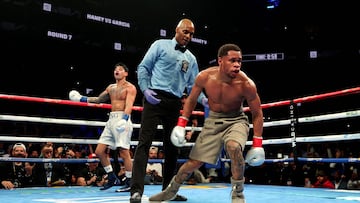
[139,108]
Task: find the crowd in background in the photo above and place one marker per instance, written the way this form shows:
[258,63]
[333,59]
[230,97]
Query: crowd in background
[299,174]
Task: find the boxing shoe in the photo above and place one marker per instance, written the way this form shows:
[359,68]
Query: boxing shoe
[112,180]
[126,186]
[169,193]
[179,198]
[135,198]
[237,195]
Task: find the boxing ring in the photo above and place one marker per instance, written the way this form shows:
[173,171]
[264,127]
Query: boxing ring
[293,119]
[209,193]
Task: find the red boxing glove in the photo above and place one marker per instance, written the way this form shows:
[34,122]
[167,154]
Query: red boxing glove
[182,121]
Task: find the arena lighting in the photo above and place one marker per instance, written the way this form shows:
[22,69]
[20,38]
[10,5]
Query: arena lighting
[271,4]
[313,54]
[47,7]
[61,10]
[117,46]
[162,32]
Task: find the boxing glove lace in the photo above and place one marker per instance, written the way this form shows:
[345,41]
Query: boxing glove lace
[256,155]
[178,133]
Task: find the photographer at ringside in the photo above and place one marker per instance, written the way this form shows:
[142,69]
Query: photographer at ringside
[92,174]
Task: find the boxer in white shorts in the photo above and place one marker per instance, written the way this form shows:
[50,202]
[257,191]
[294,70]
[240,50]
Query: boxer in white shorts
[118,130]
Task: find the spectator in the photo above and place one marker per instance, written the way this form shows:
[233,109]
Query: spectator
[323,181]
[48,173]
[92,174]
[2,149]
[161,154]
[14,174]
[153,169]
[354,181]
[292,175]
[339,180]
[338,167]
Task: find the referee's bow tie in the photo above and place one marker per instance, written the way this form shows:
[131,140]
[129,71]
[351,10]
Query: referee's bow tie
[180,48]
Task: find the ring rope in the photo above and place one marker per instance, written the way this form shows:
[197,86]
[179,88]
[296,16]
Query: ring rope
[69,102]
[327,138]
[139,108]
[347,114]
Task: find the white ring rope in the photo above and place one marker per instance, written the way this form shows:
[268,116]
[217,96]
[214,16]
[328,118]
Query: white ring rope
[348,114]
[70,121]
[327,138]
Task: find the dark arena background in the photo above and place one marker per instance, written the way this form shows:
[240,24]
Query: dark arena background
[304,57]
[49,47]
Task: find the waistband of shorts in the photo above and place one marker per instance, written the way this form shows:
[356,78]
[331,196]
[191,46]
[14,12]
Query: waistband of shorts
[233,114]
[116,114]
